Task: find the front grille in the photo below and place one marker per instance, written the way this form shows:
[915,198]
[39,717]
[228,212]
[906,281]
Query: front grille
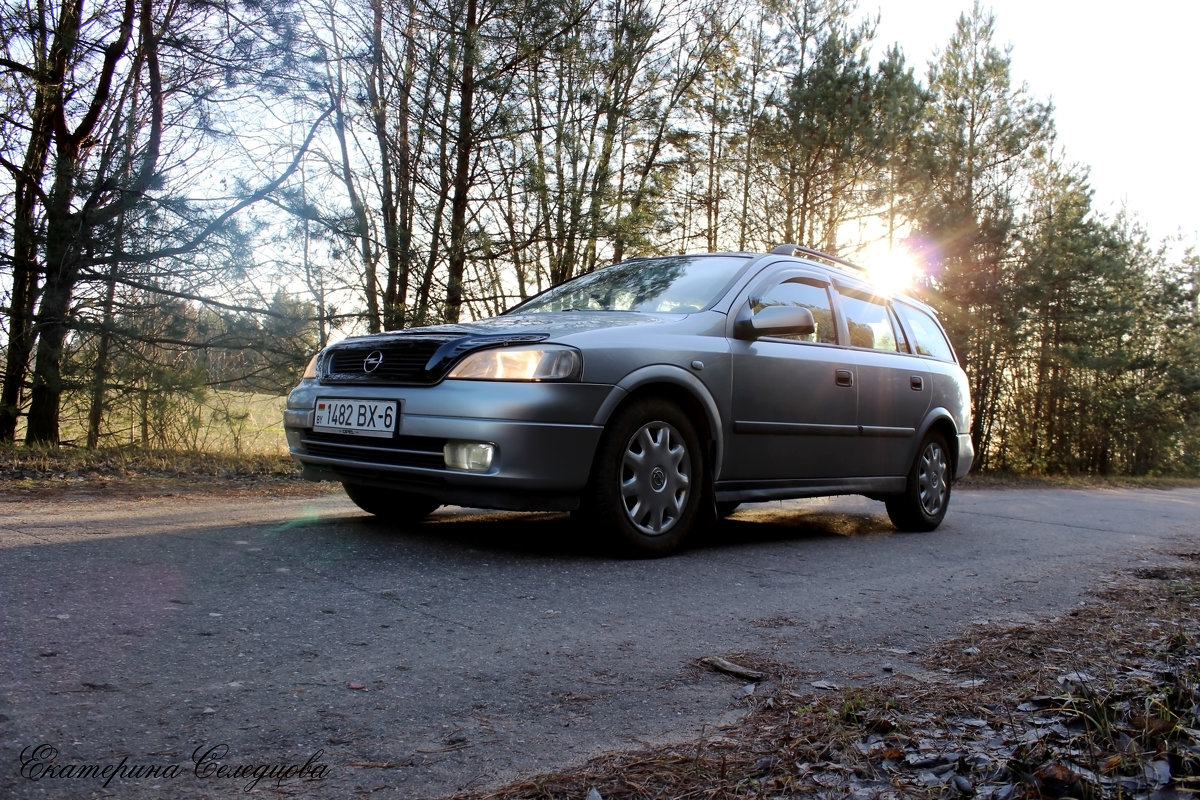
[400,451]
[399,361]
[420,359]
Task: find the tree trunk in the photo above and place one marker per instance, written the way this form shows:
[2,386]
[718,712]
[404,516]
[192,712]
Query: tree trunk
[22,334]
[63,255]
[462,168]
[394,249]
[396,298]
[66,230]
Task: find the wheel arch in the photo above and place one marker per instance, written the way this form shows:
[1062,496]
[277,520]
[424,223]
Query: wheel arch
[681,388]
[941,421]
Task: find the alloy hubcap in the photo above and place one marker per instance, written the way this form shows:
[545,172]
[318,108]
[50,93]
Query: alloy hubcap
[932,488]
[655,478]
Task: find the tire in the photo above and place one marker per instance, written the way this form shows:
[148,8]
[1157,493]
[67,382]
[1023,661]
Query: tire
[401,508]
[922,506]
[648,482]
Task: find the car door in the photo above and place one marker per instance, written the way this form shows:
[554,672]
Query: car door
[793,402]
[894,386]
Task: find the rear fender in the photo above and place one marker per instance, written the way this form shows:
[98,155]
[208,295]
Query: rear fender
[941,420]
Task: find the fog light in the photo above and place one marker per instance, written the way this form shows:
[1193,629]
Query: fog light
[469,456]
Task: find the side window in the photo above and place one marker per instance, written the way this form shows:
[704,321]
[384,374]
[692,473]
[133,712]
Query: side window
[803,295]
[928,337]
[871,324]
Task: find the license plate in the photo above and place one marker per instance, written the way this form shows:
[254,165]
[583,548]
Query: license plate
[356,417]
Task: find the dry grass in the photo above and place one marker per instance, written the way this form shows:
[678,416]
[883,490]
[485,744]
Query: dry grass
[43,469]
[216,420]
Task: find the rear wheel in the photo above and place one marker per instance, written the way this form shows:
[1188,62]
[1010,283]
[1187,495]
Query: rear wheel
[401,508]
[648,482]
[922,506]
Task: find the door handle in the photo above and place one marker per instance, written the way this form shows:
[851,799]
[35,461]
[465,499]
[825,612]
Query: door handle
[843,377]
[916,383]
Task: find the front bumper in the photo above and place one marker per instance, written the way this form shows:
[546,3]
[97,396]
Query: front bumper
[545,435]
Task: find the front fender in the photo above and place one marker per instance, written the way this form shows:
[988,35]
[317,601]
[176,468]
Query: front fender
[659,375]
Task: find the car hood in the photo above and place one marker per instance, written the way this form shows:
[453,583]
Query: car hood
[440,346]
[519,328]
[552,324]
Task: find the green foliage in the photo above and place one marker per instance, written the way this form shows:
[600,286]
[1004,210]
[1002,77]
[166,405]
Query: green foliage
[977,134]
[1099,377]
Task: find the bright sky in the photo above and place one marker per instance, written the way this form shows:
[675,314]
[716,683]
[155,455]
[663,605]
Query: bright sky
[1124,80]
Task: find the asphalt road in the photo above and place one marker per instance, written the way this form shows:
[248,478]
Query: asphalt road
[199,645]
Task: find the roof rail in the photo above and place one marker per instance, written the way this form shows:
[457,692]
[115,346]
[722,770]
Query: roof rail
[799,249]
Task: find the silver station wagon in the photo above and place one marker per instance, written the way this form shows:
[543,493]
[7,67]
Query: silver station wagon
[649,398]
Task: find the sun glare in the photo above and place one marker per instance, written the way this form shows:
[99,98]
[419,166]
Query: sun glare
[895,269]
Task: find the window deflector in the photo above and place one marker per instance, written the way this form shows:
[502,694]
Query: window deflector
[743,323]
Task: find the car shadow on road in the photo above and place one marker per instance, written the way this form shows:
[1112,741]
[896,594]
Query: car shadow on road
[556,535]
[772,524]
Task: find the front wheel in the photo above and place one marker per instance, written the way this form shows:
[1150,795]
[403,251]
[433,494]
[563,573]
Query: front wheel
[401,508]
[922,506]
[648,481]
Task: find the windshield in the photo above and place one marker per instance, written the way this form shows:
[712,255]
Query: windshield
[672,285]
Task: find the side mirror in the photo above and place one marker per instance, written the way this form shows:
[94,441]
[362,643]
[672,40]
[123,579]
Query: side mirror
[774,321]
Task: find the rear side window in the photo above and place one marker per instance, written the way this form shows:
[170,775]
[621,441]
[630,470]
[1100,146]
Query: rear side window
[928,337]
[803,295]
[871,324]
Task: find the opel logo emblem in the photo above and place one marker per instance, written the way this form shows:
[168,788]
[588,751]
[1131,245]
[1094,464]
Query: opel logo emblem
[372,361]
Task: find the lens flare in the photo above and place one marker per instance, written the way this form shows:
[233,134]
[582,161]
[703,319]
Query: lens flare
[894,269]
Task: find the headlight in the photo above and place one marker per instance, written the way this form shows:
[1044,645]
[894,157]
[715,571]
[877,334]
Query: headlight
[310,372]
[534,363]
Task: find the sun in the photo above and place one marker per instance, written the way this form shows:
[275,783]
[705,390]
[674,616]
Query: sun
[892,268]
